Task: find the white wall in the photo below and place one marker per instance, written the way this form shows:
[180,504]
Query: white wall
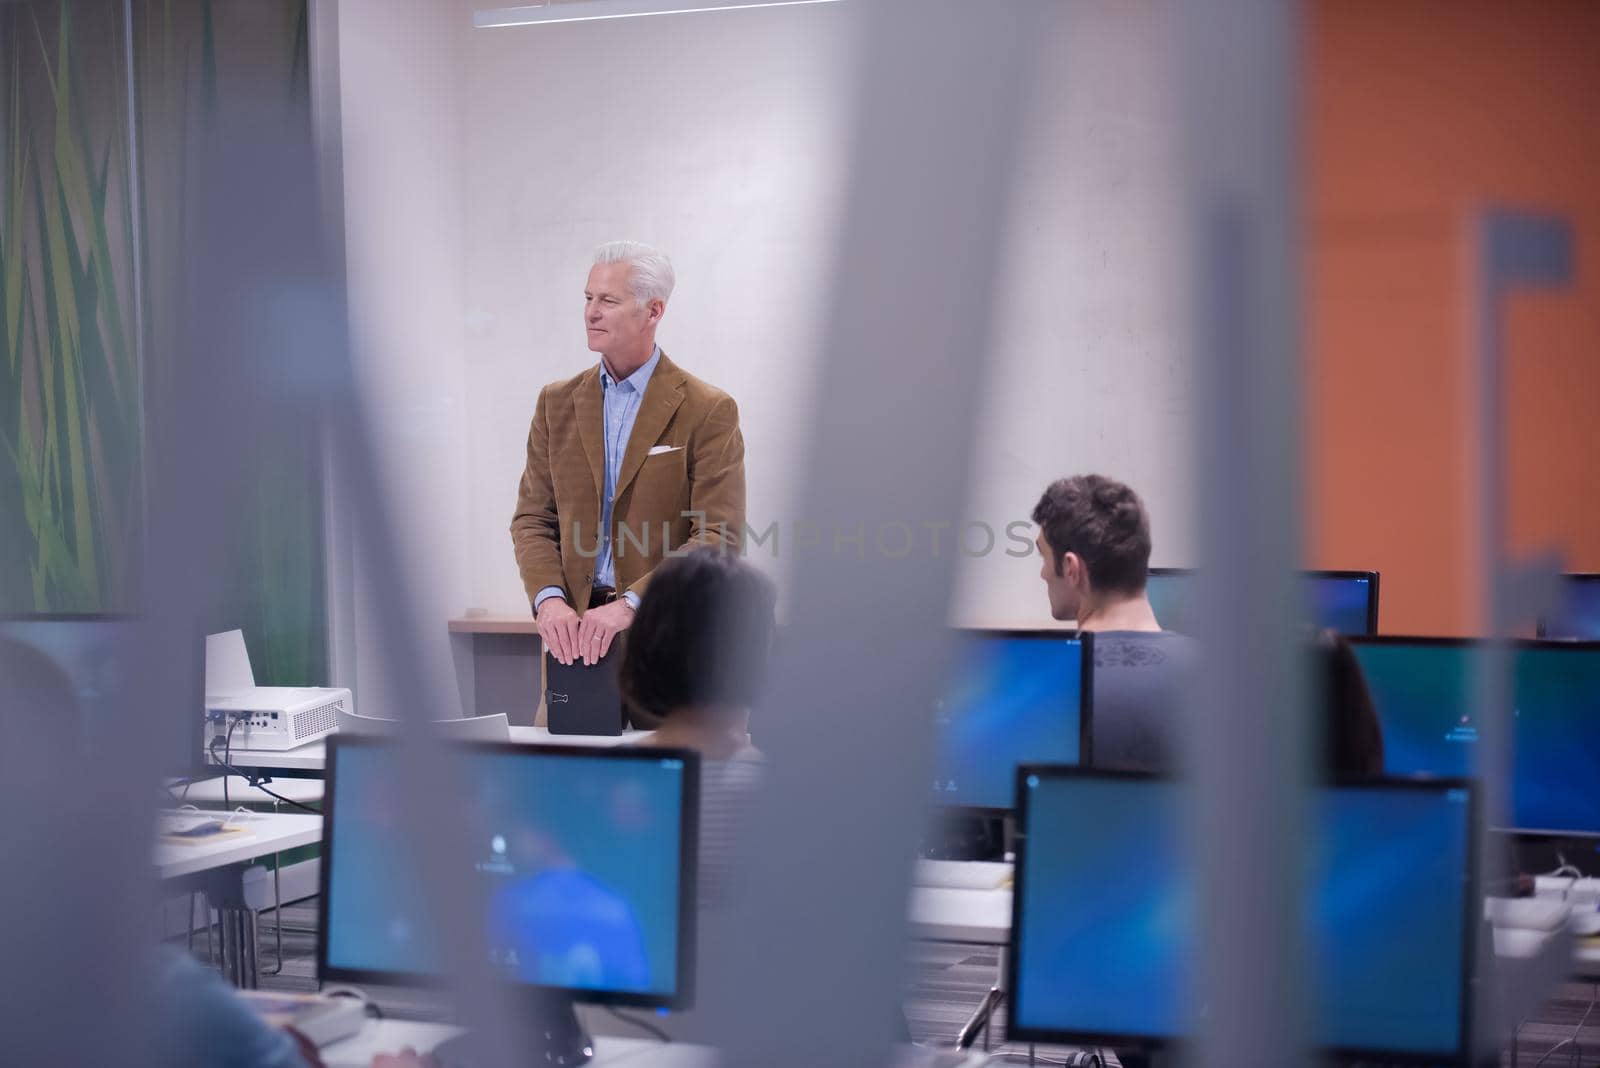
[716,136]
[721,137]
[1090,372]
[400,70]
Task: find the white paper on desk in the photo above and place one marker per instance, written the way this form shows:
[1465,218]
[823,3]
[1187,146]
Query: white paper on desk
[227,664]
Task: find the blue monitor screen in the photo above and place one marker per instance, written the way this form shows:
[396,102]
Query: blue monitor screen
[1105,936]
[1579,616]
[1337,602]
[1424,693]
[1013,699]
[1172,598]
[579,869]
[1556,739]
[1340,602]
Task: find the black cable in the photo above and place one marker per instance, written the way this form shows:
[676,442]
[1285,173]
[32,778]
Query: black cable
[255,779]
[286,801]
[647,1028]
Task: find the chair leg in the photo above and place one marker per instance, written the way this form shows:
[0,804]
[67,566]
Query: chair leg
[205,905]
[277,911]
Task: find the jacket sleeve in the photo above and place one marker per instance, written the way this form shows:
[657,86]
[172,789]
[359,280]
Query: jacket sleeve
[535,527]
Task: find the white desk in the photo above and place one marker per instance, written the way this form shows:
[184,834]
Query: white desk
[312,758]
[217,868]
[391,1036]
[974,917]
[270,832]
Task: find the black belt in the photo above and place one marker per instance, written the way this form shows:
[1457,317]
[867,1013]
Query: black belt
[600,595]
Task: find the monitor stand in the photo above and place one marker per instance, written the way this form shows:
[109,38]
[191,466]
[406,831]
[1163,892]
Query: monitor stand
[558,1038]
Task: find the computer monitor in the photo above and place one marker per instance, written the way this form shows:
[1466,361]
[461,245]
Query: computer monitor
[585,874]
[1424,690]
[1344,601]
[1013,697]
[1579,614]
[116,665]
[1103,938]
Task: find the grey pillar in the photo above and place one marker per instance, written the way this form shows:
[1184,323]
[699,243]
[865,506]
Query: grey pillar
[1246,751]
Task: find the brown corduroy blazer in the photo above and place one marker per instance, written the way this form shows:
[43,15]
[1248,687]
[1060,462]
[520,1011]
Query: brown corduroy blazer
[692,493]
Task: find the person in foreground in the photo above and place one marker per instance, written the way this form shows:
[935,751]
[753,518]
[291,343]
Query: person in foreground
[1094,536]
[694,666]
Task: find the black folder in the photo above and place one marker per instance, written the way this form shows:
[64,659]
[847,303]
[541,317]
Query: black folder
[583,698]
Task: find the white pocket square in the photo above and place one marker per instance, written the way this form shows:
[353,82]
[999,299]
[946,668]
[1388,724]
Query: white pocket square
[659,449]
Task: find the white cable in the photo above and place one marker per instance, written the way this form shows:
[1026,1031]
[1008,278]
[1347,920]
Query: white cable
[1577,1032]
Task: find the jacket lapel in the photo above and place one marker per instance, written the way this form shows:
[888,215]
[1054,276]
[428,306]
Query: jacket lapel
[590,408]
[661,399]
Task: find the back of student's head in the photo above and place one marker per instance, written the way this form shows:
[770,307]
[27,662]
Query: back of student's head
[1351,737]
[38,713]
[1105,523]
[702,636]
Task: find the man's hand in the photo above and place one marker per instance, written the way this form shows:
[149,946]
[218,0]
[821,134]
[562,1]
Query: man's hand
[599,626]
[558,628]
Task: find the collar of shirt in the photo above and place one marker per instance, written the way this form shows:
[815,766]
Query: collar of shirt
[636,381]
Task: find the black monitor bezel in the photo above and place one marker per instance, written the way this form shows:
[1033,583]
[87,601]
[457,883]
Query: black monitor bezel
[1085,640]
[1469,920]
[1560,645]
[682,996]
[1576,578]
[196,767]
[1372,578]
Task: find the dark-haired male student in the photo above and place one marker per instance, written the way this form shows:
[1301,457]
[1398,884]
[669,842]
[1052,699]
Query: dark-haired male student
[1094,535]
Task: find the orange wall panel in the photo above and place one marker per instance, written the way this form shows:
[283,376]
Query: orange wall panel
[1416,113]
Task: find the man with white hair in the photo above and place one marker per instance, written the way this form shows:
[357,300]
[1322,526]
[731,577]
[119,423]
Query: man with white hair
[628,461]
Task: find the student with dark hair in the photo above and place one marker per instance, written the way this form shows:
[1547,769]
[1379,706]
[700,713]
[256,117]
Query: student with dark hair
[694,666]
[1352,738]
[1094,536]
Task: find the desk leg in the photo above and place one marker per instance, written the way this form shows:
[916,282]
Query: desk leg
[211,947]
[980,1019]
[240,947]
[277,910]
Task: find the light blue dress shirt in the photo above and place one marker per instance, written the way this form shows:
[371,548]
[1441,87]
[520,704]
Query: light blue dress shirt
[622,400]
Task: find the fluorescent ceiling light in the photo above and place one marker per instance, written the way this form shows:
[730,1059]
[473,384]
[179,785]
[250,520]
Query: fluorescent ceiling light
[592,10]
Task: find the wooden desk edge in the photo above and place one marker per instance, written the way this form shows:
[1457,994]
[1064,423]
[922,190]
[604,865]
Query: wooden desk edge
[493,625]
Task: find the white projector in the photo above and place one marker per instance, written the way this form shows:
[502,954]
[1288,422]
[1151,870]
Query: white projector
[275,717]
